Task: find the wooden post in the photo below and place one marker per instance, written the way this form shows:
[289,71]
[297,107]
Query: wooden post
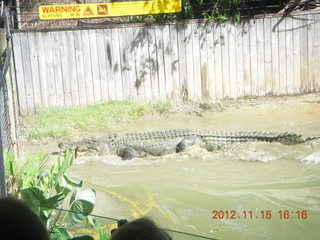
[3,185]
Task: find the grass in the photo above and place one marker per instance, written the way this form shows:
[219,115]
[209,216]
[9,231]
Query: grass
[57,123]
[206,104]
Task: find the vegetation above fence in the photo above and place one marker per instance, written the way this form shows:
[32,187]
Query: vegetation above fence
[27,17]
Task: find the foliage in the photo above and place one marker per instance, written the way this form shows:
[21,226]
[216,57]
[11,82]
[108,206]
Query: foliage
[44,188]
[220,10]
[205,104]
[102,235]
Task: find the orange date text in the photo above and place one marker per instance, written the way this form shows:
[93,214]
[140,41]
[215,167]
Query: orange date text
[259,214]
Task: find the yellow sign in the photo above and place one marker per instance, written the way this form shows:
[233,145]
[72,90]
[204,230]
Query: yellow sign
[113,9]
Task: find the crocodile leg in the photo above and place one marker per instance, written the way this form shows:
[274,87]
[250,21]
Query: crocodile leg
[189,141]
[126,153]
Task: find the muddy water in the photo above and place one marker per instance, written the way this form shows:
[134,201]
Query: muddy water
[260,190]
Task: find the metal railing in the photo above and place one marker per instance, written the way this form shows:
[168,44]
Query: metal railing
[26,16]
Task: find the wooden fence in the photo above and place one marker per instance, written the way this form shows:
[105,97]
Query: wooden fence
[185,60]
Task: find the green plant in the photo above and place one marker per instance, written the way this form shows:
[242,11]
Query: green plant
[102,235]
[44,188]
[205,105]
[221,11]
[10,171]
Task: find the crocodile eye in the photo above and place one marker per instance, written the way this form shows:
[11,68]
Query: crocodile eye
[91,141]
[61,145]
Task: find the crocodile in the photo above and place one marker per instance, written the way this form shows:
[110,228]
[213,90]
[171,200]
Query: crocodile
[158,143]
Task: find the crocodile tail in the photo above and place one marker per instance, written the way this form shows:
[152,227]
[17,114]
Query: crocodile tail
[292,138]
[311,138]
[283,138]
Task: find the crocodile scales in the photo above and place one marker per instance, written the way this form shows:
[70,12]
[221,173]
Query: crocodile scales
[158,143]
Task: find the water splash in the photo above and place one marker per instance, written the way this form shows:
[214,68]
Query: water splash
[313,158]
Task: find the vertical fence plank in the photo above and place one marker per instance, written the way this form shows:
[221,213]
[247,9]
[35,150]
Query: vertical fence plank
[311,54]
[102,53]
[182,60]
[260,58]
[96,81]
[86,48]
[275,56]
[204,86]
[145,74]
[42,70]
[153,63]
[72,68]
[210,62]
[232,62]
[135,87]
[160,62]
[247,90]
[189,62]
[167,60]
[196,60]
[80,68]
[116,87]
[289,55]
[27,73]
[253,58]
[23,110]
[296,55]
[175,62]
[57,68]
[317,51]
[135,47]
[50,78]
[304,53]
[267,56]
[65,68]
[225,60]
[112,59]
[35,69]
[217,42]
[282,57]
[239,58]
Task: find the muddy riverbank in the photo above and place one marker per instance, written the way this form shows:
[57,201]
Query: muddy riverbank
[266,113]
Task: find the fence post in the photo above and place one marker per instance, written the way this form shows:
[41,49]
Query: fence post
[3,185]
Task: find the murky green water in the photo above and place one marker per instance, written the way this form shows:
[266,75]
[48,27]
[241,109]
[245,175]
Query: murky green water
[251,182]
[182,191]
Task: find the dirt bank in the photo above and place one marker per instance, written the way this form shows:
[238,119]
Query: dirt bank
[300,114]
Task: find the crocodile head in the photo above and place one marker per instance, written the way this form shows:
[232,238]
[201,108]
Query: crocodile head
[82,146]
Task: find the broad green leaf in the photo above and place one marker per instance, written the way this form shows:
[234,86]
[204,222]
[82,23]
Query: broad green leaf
[63,187]
[72,182]
[60,234]
[83,237]
[35,198]
[65,184]
[82,204]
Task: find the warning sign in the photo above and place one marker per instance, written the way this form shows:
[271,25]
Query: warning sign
[88,12]
[112,9]
[102,9]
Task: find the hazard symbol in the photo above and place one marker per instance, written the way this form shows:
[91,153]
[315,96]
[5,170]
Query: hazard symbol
[88,12]
[102,9]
